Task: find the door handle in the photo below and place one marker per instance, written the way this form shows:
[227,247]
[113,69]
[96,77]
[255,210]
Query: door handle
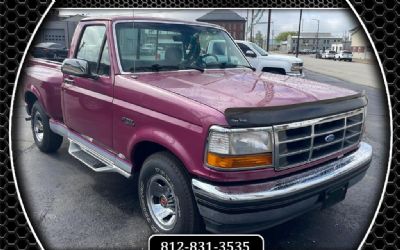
[69,81]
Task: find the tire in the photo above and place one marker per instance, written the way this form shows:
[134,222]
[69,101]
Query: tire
[164,173]
[45,139]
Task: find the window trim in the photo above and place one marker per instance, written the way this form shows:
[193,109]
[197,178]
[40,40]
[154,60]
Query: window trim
[102,46]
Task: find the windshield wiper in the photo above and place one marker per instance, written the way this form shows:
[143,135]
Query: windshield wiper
[194,67]
[226,65]
[157,67]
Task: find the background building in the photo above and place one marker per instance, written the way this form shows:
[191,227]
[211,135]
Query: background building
[58,29]
[359,44]
[343,45]
[308,40]
[283,48]
[230,20]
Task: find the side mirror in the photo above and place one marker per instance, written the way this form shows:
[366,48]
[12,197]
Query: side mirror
[250,53]
[76,67]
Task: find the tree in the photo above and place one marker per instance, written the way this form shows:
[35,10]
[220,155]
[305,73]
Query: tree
[284,35]
[259,39]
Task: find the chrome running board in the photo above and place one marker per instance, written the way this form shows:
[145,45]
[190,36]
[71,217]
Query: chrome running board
[94,157]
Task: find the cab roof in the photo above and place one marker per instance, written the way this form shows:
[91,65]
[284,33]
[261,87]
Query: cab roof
[150,19]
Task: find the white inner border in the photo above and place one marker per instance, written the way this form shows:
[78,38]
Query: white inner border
[349,4]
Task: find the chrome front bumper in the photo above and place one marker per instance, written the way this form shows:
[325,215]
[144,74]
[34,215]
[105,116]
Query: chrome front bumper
[297,74]
[287,186]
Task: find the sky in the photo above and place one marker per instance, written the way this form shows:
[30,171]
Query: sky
[334,21]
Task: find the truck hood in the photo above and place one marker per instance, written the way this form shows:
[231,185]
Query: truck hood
[242,88]
[274,57]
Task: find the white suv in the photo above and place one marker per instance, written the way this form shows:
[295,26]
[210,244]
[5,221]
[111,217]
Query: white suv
[267,62]
[344,55]
[328,54]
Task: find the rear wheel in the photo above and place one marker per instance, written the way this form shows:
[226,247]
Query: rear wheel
[165,196]
[45,139]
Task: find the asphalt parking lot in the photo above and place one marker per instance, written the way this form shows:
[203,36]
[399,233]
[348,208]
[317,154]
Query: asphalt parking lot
[354,72]
[72,207]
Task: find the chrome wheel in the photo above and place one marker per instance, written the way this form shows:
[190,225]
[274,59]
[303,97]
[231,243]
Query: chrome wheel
[38,127]
[162,202]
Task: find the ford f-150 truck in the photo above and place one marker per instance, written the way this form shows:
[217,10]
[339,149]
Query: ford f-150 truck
[210,142]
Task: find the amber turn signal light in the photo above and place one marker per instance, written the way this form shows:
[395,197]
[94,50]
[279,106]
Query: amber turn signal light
[239,161]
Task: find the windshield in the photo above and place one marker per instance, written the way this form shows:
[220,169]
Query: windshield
[260,50]
[164,46]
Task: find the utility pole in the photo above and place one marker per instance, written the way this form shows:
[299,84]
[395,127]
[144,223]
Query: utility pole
[251,25]
[269,28]
[273,35]
[317,36]
[247,25]
[298,34]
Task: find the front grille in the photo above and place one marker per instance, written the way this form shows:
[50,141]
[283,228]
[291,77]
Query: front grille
[298,64]
[302,142]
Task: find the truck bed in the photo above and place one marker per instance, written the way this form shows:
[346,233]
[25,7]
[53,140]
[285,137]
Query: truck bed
[43,78]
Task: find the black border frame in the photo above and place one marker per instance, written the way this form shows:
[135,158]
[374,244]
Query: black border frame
[18,23]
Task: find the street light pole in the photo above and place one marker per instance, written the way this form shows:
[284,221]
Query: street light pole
[269,28]
[317,35]
[298,34]
[251,25]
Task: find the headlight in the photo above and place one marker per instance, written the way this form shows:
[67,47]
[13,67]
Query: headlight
[297,66]
[239,148]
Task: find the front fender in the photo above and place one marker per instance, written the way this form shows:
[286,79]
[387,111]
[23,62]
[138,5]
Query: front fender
[166,139]
[276,64]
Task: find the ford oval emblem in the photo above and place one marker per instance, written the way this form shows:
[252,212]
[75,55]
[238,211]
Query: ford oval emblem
[330,138]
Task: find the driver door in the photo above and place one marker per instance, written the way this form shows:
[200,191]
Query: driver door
[87,101]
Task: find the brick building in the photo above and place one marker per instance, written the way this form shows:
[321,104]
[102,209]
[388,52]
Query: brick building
[359,44]
[230,20]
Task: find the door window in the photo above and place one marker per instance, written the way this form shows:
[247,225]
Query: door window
[243,47]
[90,46]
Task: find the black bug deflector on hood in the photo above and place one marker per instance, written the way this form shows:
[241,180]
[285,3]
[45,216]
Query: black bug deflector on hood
[267,116]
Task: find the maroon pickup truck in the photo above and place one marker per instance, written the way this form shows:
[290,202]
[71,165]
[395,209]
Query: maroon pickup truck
[210,142]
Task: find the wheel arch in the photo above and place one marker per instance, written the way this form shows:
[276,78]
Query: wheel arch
[30,99]
[145,148]
[280,70]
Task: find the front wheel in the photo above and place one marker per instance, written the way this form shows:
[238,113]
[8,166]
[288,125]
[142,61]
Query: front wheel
[45,139]
[165,196]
